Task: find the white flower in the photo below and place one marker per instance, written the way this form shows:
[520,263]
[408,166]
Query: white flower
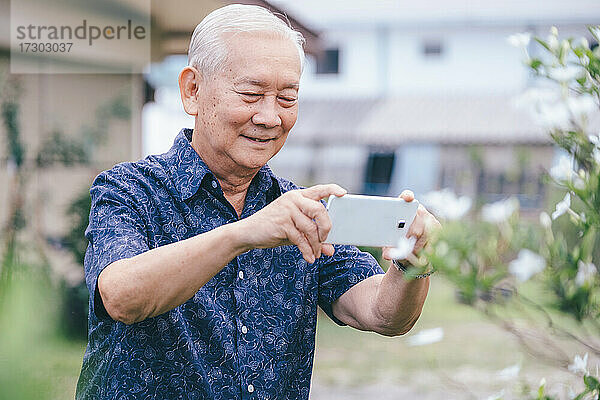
[442,248]
[582,106]
[552,41]
[403,249]
[578,183]
[546,107]
[595,140]
[526,265]
[545,220]
[553,31]
[496,396]
[563,170]
[596,155]
[585,60]
[426,336]
[585,272]
[566,46]
[553,116]
[445,204]
[565,74]
[533,97]
[509,373]
[581,42]
[579,365]
[519,39]
[499,211]
[562,206]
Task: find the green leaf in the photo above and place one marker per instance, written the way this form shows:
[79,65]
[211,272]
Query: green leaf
[594,30]
[581,80]
[535,63]
[591,383]
[544,44]
[580,396]
[541,390]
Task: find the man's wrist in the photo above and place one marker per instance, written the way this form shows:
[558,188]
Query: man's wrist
[404,267]
[238,236]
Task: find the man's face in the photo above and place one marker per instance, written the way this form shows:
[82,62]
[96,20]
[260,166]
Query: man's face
[247,109]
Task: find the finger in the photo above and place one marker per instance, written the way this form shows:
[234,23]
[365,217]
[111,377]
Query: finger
[327,249]
[417,228]
[315,210]
[407,195]
[319,192]
[430,223]
[297,238]
[385,253]
[308,228]
[420,244]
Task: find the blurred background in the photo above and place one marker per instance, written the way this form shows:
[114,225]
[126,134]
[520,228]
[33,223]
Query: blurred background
[395,94]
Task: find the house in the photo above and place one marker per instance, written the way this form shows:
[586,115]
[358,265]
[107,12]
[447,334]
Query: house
[93,97]
[420,95]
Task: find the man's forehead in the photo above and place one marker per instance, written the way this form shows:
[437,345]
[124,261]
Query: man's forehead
[258,57]
[250,81]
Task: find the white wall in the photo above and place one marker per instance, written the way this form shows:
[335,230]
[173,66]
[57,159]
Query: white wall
[389,61]
[472,61]
[358,66]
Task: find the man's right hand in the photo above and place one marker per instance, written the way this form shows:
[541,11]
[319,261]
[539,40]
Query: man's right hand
[296,217]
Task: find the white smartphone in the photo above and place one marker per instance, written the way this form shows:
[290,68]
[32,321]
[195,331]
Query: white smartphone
[369,220]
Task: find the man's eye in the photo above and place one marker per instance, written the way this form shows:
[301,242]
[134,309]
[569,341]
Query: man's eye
[287,99]
[250,97]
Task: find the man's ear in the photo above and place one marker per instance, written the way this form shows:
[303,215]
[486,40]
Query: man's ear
[189,82]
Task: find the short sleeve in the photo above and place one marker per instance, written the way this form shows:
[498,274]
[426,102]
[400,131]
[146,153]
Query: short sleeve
[347,267]
[115,231]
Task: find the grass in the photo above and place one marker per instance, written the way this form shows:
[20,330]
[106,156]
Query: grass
[464,364]
[50,371]
[36,362]
[365,355]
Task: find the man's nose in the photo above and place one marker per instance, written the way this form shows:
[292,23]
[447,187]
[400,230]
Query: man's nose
[267,113]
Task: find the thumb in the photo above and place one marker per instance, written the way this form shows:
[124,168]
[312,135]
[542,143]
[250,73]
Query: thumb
[407,195]
[319,192]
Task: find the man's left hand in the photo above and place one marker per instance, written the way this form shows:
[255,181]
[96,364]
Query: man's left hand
[421,228]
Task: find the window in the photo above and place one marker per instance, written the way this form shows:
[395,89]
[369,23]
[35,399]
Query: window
[432,48]
[528,187]
[328,62]
[379,173]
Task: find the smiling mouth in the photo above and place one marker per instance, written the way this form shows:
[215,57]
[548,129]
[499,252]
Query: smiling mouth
[257,140]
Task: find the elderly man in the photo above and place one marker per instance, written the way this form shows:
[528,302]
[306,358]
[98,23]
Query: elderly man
[204,268]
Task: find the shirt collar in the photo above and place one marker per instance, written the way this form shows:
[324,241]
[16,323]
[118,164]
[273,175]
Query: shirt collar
[185,165]
[188,170]
[264,184]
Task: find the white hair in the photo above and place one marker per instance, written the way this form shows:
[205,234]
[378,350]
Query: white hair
[208,50]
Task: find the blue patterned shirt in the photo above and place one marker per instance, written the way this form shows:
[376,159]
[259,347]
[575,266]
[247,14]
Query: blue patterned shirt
[249,333]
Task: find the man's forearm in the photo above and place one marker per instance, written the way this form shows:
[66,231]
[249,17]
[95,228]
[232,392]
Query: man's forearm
[163,278]
[398,302]
[385,303]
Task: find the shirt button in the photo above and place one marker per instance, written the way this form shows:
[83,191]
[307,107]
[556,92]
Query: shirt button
[250,388]
[241,274]
[214,184]
[244,329]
